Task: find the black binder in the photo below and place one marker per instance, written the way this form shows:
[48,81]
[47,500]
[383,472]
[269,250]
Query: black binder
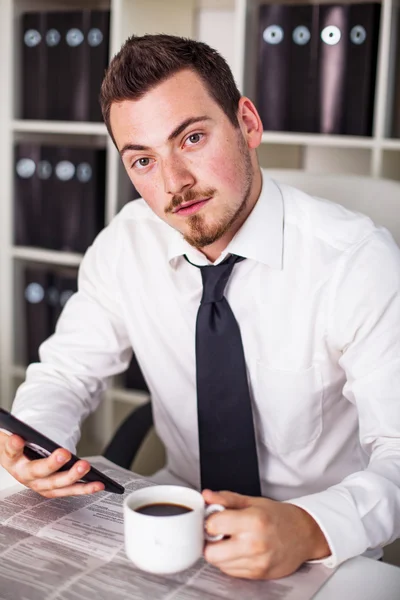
[50,218]
[64,57]
[80,196]
[361,63]
[37,311]
[63,286]
[333,45]
[59,196]
[34,66]
[76,64]
[46,292]
[274,49]
[68,76]
[98,41]
[303,68]
[287,76]
[28,205]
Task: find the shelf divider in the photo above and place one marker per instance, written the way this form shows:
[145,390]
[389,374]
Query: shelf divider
[67,127]
[53,257]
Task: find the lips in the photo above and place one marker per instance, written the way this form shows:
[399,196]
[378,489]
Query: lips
[189,208]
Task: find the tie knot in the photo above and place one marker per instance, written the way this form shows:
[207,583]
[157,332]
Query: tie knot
[215,278]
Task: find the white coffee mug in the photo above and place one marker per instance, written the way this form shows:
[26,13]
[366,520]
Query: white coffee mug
[166,544]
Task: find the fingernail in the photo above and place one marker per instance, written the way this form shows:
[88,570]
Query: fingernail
[61,458]
[81,469]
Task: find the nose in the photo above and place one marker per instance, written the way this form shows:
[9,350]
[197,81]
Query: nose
[177,177]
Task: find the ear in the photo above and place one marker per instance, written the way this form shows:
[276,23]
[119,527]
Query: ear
[250,122]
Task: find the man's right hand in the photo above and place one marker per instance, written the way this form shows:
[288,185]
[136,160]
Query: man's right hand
[41,475]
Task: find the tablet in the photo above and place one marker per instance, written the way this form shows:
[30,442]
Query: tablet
[38,445]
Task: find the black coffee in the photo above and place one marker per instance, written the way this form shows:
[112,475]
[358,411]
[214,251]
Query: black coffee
[163,509]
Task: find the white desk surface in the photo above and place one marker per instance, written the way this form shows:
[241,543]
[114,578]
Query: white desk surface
[362,579]
[357,579]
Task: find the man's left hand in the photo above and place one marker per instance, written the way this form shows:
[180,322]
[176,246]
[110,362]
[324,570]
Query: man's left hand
[267,539]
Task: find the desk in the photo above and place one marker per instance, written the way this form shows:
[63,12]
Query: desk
[362,578]
[357,579]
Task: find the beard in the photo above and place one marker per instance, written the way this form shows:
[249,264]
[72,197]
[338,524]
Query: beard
[200,232]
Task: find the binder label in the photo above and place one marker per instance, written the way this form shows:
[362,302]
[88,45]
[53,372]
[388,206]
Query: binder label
[44,169]
[65,170]
[301,35]
[74,37]
[34,293]
[331,35]
[25,168]
[53,37]
[32,38]
[273,34]
[95,37]
[84,172]
[358,35]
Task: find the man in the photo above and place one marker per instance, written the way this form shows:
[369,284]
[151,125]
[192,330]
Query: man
[318,306]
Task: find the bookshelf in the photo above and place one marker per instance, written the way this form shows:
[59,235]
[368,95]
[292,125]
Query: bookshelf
[229,26]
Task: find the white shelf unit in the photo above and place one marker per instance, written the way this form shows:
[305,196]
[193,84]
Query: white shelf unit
[229,26]
[61,127]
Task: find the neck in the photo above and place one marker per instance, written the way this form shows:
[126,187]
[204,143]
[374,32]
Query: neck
[214,250]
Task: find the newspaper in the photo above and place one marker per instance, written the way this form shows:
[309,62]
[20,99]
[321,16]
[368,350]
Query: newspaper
[73,549]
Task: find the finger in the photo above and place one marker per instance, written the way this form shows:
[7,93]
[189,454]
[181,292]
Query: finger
[4,437]
[241,573]
[227,499]
[63,478]
[12,450]
[232,522]
[36,470]
[44,467]
[233,565]
[224,551]
[248,568]
[78,489]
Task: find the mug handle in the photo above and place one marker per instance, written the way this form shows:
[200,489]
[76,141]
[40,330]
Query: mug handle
[210,510]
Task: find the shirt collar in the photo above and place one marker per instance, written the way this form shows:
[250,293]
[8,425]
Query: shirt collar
[260,238]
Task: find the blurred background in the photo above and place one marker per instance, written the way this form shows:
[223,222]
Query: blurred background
[325,78]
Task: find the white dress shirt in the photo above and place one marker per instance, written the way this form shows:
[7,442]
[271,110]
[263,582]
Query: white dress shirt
[318,306]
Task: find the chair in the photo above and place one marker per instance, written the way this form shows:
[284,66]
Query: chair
[377,198]
[129,436]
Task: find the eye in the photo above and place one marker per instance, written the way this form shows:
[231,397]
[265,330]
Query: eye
[358,35]
[273,34]
[301,35]
[331,35]
[141,163]
[194,138]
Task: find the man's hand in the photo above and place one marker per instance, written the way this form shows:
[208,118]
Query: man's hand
[40,475]
[268,539]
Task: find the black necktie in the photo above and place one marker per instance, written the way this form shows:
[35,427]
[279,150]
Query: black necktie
[228,454]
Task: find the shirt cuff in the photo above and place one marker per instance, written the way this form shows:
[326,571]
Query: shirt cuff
[336,515]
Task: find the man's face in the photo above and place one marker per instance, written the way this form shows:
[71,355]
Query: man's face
[185,158]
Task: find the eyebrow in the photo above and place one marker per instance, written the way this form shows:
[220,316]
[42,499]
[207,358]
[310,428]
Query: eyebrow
[172,136]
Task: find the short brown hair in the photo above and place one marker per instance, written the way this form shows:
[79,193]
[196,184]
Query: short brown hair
[145,61]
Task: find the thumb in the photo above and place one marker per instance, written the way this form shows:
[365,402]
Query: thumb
[227,499]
